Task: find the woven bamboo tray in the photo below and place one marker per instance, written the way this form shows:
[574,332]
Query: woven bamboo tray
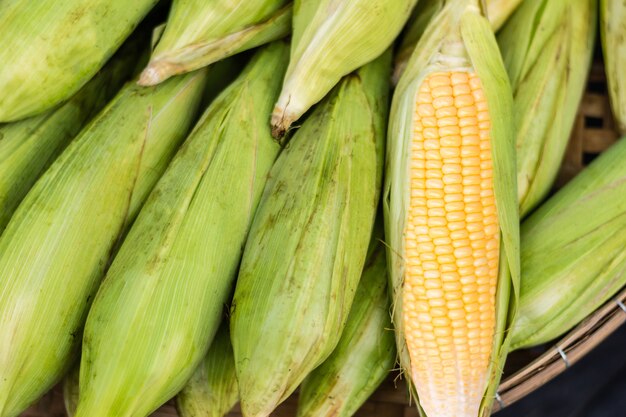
[526,371]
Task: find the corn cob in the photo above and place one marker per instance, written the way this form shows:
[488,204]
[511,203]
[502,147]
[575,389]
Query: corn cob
[50,51]
[200,32]
[56,246]
[332,39]
[498,11]
[29,146]
[451,214]
[161,303]
[573,251]
[548,67]
[308,242]
[366,351]
[212,390]
[613,31]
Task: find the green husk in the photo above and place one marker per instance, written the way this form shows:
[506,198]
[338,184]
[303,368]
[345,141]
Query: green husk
[613,31]
[161,303]
[458,38]
[49,51]
[55,248]
[498,11]
[70,391]
[201,32]
[366,352]
[332,39]
[547,48]
[308,241]
[212,390]
[573,251]
[29,146]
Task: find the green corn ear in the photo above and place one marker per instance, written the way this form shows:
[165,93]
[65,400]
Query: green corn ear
[161,303]
[49,51]
[573,251]
[498,11]
[201,32]
[308,242]
[55,248]
[366,352]
[613,31]
[547,47]
[212,390]
[331,39]
[29,146]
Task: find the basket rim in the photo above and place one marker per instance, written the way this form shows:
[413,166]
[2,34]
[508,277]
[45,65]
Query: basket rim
[566,352]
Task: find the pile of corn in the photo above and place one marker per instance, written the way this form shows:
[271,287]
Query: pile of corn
[240,203]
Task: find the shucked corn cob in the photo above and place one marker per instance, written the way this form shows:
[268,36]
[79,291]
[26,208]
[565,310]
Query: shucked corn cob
[201,32]
[498,11]
[366,352]
[49,51]
[573,251]
[451,214]
[547,47]
[331,39]
[308,241]
[613,31]
[56,247]
[161,303]
[29,146]
[212,390]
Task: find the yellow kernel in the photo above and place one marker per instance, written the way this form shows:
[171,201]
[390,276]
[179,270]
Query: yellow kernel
[434,202]
[454,192]
[435,183]
[451,141]
[467,111]
[441,102]
[431,133]
[424,97]
[468,121]
[425,110]
[441,91]
[437,221]
[452,179]
[463,101]
[448,121]
[455,217]
[438,80]
[437,232]
[446,263]
[429,122]
[444,250]
[459,77]
[434,164]
[470,130]
[433,154]
[434,193]
[456,225]
[446,112]
[468,150]
[449,131]
[451,169]
[454,206]
[449,152]
[434,173]
[437,212]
